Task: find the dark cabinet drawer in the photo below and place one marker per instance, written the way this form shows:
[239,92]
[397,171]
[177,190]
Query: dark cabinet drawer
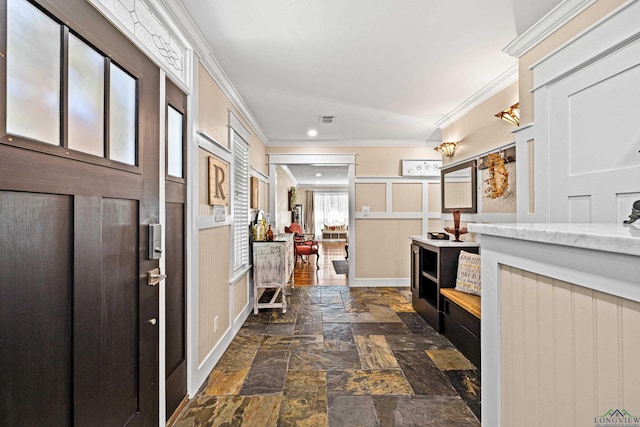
[462,316]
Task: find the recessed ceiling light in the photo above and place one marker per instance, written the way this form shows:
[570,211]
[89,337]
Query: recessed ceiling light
[318,174]
[312,132]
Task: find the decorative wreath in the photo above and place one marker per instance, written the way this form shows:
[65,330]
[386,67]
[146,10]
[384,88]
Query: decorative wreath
[498,181]
[292,198]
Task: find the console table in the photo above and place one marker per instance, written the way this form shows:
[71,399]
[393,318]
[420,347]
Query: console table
[272,269]
[434,265]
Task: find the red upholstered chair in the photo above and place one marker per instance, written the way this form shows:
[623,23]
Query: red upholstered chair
[304,244]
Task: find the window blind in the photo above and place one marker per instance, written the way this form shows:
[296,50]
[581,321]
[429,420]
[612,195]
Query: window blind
[240,202]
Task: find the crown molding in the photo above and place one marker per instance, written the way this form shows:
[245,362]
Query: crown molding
[204,52]
[548,24]
[496,85]
[351,143]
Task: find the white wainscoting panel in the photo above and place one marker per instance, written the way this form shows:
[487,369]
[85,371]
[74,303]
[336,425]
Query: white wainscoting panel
[587,141]
[580,209]
[594,139]
[601,118]
[625,203]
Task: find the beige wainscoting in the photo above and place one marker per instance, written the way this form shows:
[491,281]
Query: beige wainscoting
[373,195]
[382,247]
[406,197]
[213,287]
[434,198]
[435,225]
[569,353]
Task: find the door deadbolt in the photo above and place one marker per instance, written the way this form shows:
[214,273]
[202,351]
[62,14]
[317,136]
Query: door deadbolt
[154,277]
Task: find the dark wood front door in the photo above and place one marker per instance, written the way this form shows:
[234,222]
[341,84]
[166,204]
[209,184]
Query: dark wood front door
[175,287]
[78,322]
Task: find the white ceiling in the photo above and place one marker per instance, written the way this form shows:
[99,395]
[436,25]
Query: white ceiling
[387,69]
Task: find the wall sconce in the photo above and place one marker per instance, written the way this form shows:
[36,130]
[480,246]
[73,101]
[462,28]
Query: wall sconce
[511,114]
[447,149]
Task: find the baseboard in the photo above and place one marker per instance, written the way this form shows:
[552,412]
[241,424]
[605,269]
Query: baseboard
[204,369]
[379,283]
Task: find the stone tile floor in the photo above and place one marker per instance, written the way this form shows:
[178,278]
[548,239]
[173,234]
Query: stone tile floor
[339,357]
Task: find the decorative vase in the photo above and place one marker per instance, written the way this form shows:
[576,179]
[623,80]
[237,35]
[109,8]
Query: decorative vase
[456,224]
[456,230]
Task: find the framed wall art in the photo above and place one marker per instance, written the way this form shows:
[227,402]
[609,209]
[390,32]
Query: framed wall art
[218,182]
[255,184]
[421,167]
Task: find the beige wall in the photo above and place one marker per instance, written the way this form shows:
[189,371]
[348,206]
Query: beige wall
[213,109]
[479,130]
[258,155]
[213,290]
[568,353]
[213,117]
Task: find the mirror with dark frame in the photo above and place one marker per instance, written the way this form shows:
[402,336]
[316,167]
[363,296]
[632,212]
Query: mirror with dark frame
[459,190]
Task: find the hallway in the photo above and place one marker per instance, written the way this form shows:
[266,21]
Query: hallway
[339,357]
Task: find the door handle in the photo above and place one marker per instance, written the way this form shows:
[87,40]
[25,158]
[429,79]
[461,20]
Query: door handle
[154,277]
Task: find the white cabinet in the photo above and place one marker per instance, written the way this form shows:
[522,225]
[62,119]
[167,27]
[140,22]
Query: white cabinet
[272,270]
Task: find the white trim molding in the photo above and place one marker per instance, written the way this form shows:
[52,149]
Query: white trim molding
[496,85]
[352,143]
[305,159]
[609,34]
[149,28]
[549,23]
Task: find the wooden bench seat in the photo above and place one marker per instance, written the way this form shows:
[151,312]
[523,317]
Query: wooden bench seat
[469,302]
[460,322]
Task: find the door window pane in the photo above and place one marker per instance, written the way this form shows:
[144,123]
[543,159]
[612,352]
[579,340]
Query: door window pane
[122,116]
[33,73]
[86,98]
[174,142]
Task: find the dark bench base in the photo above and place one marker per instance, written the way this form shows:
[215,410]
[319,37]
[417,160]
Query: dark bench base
[462,329]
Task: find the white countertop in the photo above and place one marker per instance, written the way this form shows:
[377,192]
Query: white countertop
[443,243]
[616,238]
